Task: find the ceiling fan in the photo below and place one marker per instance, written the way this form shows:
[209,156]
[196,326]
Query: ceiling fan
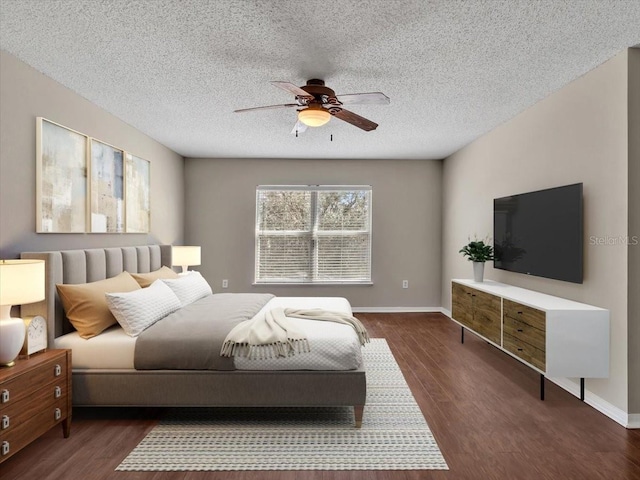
[317,103]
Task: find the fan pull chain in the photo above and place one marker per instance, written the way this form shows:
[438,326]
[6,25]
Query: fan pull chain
[332,137]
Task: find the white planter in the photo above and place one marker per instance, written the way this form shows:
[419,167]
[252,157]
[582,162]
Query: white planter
[478,271]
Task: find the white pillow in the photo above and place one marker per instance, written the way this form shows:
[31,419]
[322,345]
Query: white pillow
[189,288]
[138,310]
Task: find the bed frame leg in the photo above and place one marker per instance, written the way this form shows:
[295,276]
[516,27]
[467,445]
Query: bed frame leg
[358,411]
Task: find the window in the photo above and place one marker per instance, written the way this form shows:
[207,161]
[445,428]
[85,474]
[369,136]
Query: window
[313,234]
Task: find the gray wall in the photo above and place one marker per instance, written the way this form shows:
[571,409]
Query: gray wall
[580,133]
[26,94]
[577,134]
[220,216]
[634,232]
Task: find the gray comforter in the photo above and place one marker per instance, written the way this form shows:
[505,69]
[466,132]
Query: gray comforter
[192,337]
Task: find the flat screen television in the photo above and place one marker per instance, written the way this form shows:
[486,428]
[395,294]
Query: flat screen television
[540,233]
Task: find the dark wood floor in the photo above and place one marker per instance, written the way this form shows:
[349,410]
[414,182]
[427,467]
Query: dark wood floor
[481,405]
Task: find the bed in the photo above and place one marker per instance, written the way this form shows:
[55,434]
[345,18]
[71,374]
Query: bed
[104,375]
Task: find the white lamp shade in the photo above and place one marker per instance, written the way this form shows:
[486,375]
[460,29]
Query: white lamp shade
[314,116]
[21,281]
[185,255]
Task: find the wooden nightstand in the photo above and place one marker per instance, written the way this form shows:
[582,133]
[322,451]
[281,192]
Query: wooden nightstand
[35,395]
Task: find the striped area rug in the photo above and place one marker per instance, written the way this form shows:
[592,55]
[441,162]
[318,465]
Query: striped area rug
[394,433]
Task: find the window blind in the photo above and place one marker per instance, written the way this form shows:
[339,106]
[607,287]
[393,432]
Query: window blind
[313,234]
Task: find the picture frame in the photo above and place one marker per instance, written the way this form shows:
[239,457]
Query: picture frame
[85,185]
[61,178]
[137,194]
[107,197]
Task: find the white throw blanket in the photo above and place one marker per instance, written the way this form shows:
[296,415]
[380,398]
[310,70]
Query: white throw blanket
[275,335]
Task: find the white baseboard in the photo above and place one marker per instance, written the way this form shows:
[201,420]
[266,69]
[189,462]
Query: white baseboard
[614,413]
[397,309]
[634,420]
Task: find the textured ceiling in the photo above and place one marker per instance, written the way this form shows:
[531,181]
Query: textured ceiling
[454,70]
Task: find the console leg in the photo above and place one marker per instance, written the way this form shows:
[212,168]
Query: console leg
[582,389]
[541,387]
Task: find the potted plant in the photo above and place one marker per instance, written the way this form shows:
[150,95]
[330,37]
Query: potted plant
[478,252]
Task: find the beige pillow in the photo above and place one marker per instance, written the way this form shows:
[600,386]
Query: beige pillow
[86,306]
[146,279]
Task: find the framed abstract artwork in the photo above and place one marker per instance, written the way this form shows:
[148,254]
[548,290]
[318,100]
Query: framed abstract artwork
[61,179]
[85,185]
[107,206]
[137,192]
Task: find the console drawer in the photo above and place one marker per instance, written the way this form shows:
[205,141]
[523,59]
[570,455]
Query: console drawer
[524,332]
[486,316]
[462,304]
[525,351]
[523,313]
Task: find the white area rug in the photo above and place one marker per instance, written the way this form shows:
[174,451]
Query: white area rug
[394,433]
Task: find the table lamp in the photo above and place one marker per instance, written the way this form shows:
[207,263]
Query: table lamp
[21,281]
[185,256]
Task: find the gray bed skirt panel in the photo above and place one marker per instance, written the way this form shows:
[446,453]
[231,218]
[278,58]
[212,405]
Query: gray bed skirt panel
[218,388]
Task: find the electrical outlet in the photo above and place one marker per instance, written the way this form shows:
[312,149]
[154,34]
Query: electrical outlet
[225,283]
[405,283]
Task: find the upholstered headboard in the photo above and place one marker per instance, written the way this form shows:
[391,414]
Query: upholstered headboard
[83,266]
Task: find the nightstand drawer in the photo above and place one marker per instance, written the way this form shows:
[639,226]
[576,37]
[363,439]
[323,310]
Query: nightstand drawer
[24,432]
[29,382]
[17,414]
[35,395]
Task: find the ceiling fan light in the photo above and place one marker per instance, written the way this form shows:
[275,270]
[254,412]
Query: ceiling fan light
[314,117]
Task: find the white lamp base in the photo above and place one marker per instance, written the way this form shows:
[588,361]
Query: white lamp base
[11,340]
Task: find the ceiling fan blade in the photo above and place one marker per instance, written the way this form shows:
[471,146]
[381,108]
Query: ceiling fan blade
[355,119]
[291,88]
[268,107]
[299,127]
[371,98]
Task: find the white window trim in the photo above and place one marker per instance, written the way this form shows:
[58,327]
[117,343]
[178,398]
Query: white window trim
[314,232]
